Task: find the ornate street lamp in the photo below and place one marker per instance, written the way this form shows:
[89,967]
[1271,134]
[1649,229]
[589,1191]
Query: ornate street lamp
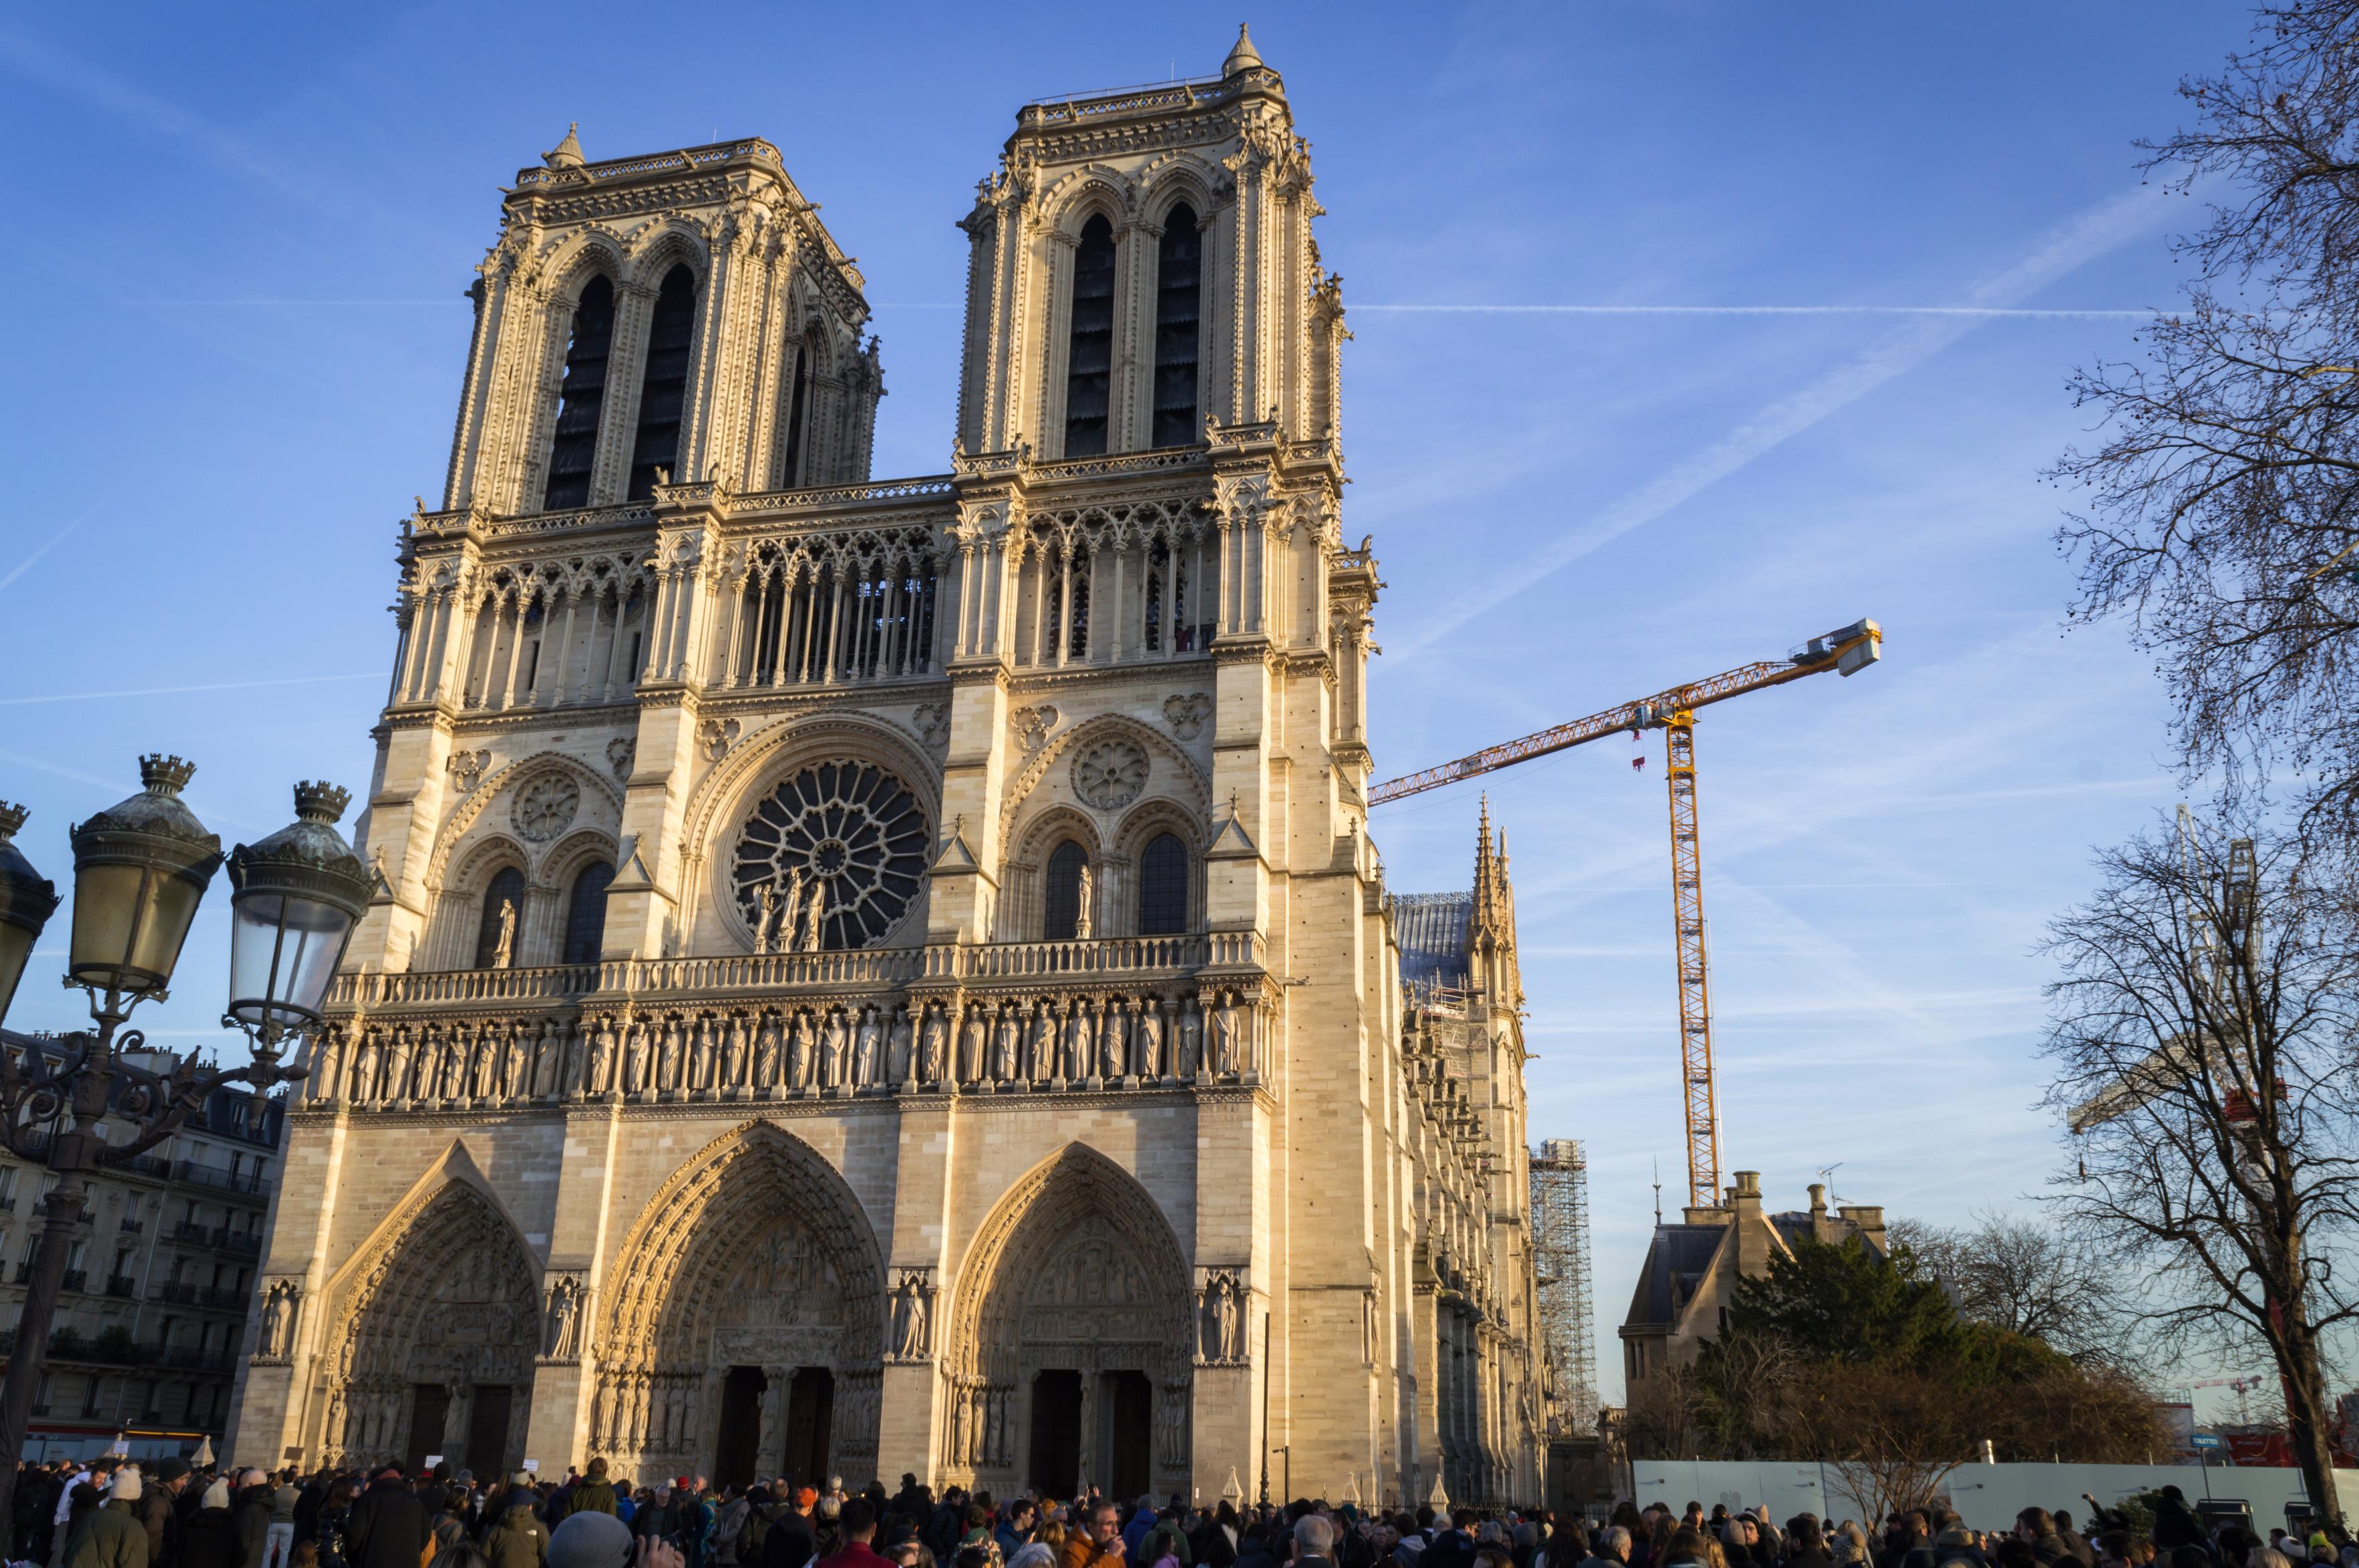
[298,894]
[140,869]
[27,900]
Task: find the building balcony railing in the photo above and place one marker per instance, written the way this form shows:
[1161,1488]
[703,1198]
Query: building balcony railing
[182,1293]
[131,1225]
[24,1272]
[195,1361]
[122,1285]
[220,1179]
[237,1241]
[75,1279]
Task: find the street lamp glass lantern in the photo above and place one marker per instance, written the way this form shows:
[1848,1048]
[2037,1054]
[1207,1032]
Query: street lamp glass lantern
[140,868]
[27,900]
[298,895]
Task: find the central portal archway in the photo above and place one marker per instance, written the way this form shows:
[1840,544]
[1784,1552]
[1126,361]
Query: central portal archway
[751,1279]
[1069,1361]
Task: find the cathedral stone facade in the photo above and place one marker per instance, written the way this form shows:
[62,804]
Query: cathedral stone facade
[880,976]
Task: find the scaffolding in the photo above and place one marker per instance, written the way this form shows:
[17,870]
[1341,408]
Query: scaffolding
[1561,1261]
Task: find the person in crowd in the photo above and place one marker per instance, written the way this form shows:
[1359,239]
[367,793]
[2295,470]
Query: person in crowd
[278,1530]
[159,1511]
[1610,1549]
[856,1520]
[387,1525]
[112,1535]
[210,1538]
[1098,1541]
[1314,1541]
[519,1540]
[1015,1531]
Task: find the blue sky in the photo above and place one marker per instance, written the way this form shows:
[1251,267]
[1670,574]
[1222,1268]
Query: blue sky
[242,237]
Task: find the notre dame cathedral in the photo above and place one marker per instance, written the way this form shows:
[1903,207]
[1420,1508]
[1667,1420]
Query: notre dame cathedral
[881,975]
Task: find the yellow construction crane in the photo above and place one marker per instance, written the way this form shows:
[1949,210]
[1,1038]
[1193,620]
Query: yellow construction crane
[1847,651]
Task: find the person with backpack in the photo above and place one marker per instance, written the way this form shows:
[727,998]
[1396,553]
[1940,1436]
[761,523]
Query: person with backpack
[519,1540]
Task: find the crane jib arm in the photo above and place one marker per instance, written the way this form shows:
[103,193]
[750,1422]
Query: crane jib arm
[1847,651]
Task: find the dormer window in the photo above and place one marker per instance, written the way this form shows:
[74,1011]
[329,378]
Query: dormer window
[1089,360]
[573,449]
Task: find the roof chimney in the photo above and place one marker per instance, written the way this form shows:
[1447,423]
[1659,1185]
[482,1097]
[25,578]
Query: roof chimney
[1818,1200]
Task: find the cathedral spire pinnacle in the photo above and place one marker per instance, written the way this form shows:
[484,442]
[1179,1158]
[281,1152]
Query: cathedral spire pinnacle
[566,154]
[1243,56]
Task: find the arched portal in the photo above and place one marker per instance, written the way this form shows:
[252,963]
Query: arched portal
[745,1320]
[435,1341]
[1068,1360]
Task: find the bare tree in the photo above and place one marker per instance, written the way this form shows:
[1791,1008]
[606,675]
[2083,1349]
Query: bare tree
[2202,1040]
[2014,1274]
[2222,518]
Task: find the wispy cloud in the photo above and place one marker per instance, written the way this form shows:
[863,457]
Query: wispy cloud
[102,90]
[1975,312]
[2082,241]
[57,538]
[177,691]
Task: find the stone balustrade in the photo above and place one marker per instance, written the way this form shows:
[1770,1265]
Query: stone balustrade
[856,972]
[647,1048]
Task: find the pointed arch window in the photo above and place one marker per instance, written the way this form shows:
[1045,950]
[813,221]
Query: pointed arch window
[1178,292]
[585,913]
[663,389]
[1163,887]
[1089,360]
[1061,892]
[797,411]
[506,891]
[573,449]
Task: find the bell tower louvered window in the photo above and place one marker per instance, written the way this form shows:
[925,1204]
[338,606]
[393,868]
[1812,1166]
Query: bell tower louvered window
[574,449]
[1089,362]
[663,390]
[798,409]
[1178,290]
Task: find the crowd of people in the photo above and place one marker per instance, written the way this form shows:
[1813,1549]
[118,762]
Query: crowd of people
[115,1514]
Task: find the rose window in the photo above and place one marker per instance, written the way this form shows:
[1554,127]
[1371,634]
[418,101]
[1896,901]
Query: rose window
[848,827]
[545,807]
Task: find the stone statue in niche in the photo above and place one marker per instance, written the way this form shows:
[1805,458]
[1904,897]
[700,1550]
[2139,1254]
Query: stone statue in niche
[836,1048]
[280,1303]
[1110,1043]
[932,1039]
[1192,1039]
[1151,1059]
[504,953]
[1085,898]
[898,1066]
[868,1056]
[1003,1045]
[1224,1039]
[970,1046]
[814,935]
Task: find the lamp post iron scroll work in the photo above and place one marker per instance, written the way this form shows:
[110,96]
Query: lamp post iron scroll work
[140,869]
